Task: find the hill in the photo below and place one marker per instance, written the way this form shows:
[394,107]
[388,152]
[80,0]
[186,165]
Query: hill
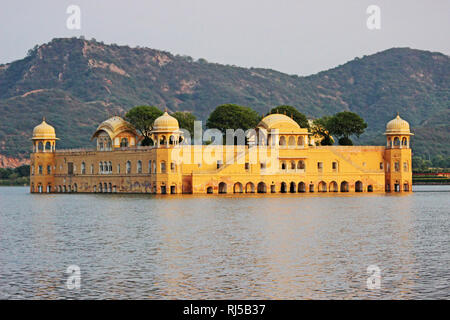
[76,84]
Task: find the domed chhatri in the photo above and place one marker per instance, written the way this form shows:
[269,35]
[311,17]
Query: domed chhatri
[44,131]
[165,123]
[280,122]
[398,126]
[115,133]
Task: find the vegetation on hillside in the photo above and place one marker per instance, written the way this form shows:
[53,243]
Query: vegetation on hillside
[76,84]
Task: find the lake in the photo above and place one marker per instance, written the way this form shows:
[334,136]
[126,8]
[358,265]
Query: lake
[279,246]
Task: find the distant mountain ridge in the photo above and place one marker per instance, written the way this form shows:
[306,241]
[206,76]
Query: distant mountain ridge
[76,84]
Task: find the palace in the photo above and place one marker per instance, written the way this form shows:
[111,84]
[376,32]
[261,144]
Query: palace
[286,160]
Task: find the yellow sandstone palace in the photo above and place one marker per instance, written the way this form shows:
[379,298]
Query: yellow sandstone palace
[287,161]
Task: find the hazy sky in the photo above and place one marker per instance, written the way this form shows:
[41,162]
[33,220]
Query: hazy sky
[293,36]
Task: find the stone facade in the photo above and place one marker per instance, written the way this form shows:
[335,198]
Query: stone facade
[286,162]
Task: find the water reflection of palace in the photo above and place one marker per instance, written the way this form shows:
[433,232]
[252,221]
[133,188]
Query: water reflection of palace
[287,162]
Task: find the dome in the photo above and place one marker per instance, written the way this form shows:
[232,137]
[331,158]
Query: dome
[114,126]
[44,131]
[397,126]
[165,123]
[279,121]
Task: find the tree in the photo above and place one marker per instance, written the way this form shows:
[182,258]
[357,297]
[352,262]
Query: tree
[319,129]
[142,118]
[344,124]
[290,111]
[232,116]
[185,120]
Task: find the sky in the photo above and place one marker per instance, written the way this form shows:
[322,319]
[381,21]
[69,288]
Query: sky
[292,36]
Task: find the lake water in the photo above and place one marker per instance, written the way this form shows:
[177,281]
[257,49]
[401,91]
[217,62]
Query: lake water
[225,247]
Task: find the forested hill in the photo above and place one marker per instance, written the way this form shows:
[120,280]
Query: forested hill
[76,84]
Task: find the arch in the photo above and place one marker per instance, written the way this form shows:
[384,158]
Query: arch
[250,187]
[162,140]
[128,167]
[139,166]
[100,187]
[40,146]
[283,165]
[311,187]
[322,187]
[283,187]
[109,187]
[291,141]
[282,141]
[149,166]
[209,190]
[262,188]
[292,165]
[40,188]
[69,188]
[172,140]
[105,187]
[124,143]
[300,141]
[83,168]
[406,186]
[404,141]
[49,188]
[358,186]
[272,188]
[48,146]
[344,186]
[75,187]
[222,187]
[301,164]
[173,189]
[396,141]
[301,187]
[333,187]
[369,188]
[237,188]
[292,187]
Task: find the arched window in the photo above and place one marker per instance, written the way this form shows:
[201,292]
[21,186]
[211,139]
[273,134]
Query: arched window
[118,168]
[283,165]
[237,188]
[163,167]
[83,168]
[262,187]
[172,167]
[162,140]
[396,141]
[172,140]
[139,166]
[128,167]
[300,141]
[301,164]
[222,187]
[291,141]
[282,141]
[293,165]
[149,166]
[48,146]
[40,146]
[249,188]
[358,186]
[100,167]
[124,143]
[404,142]
[110,167]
